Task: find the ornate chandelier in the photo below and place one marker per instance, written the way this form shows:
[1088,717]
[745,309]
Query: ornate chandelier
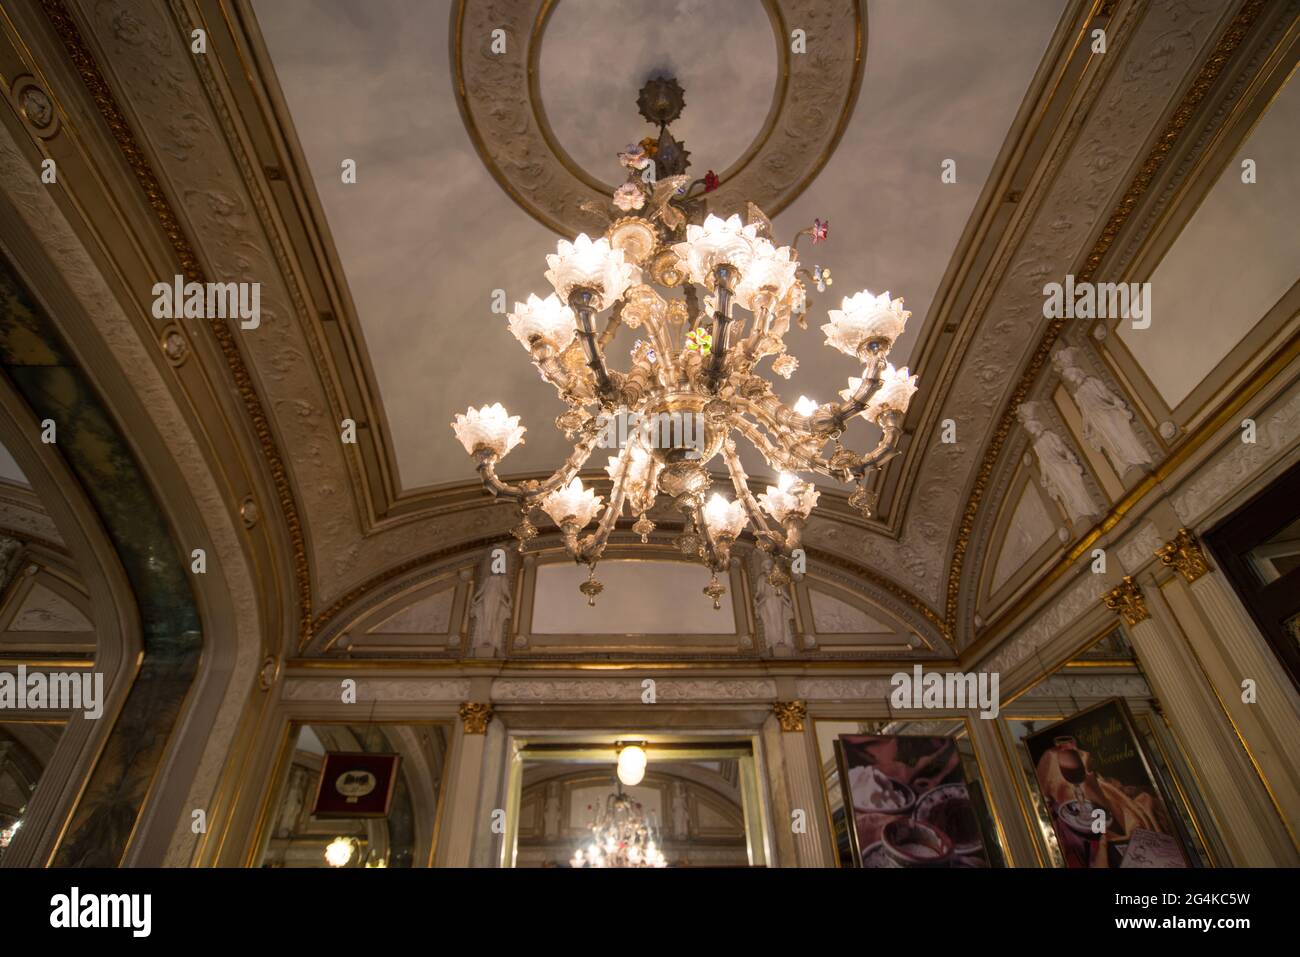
[693,380]
[622,836]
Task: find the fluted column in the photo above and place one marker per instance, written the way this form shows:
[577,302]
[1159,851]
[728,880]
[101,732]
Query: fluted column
[460,807]
[799,755]
[1247,821]
[1001,793]
[1233,651]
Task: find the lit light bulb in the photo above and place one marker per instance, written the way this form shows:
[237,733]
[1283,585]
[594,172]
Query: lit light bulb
[784,481]
[806,406]
[339,851]
[631,765]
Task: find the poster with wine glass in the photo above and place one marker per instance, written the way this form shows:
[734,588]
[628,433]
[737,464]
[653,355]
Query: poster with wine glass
[1099,789]
[908,802]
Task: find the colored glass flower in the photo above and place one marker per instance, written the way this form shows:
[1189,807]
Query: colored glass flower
[699,339]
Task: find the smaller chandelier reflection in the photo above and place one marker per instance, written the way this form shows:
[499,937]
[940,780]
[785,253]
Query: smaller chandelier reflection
[623,835]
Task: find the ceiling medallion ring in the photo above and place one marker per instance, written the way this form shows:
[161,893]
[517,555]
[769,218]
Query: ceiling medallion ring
[500,105]
[547,7]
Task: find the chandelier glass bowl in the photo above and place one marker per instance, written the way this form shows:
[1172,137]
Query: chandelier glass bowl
[711,298]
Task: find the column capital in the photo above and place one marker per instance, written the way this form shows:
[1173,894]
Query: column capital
[1126,600]
[1184,553]
[791,714]
[475,715]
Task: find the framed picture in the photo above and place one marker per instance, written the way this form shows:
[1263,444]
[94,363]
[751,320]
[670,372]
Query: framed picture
[356,784]
[1101,793]
[908,801]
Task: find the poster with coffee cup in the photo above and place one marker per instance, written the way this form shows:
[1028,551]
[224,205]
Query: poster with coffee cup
[1099,789]
[908,801]
[355,784]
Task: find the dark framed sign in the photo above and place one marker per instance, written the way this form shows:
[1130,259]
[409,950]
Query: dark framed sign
[356,784]
[1098,786]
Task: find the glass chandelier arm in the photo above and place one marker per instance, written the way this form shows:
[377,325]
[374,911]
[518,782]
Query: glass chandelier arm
[782,458]
[870,385]
[740,482]
[583,303]
[778,458]
[611,327]
[891,427]
[764,313]
[787,425]
[710,541]
[527,494]
[553,371]
[593,545]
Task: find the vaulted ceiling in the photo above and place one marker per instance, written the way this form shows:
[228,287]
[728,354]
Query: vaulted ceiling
[426,235]
[377,294]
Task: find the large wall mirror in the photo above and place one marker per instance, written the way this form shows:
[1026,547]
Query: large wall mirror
[356,795]
[666,802]
[26,747]
[1127,788]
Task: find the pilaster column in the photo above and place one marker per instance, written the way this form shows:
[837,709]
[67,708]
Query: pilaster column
[798,752]
[1247,822]
[459,815]
[1003,797]
[1233,651]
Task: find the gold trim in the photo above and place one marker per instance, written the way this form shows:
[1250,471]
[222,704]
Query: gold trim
[752,155]
[791,714]
[1184,553]
[466,548]
[93,79]
[1188,806]
[1126,600]
[1286,354]
[475,715]
[1209,73]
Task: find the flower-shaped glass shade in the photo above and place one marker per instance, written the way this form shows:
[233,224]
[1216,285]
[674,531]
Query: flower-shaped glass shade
[770,270]
[895,393]
[806,406]
[547,318]
[789,497]
[490,427]
[863,317]
[591,264]
[723,517]
[639,466]
[718,241]
[572,503]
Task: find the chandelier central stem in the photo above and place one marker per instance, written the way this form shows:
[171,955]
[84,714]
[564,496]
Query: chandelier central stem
[583,301]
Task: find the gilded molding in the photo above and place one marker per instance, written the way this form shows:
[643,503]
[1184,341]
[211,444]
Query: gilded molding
[475,715]
[791,714]
[93,79]
[1184,553]
[1169,136]
[1126,600]
[501,107]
